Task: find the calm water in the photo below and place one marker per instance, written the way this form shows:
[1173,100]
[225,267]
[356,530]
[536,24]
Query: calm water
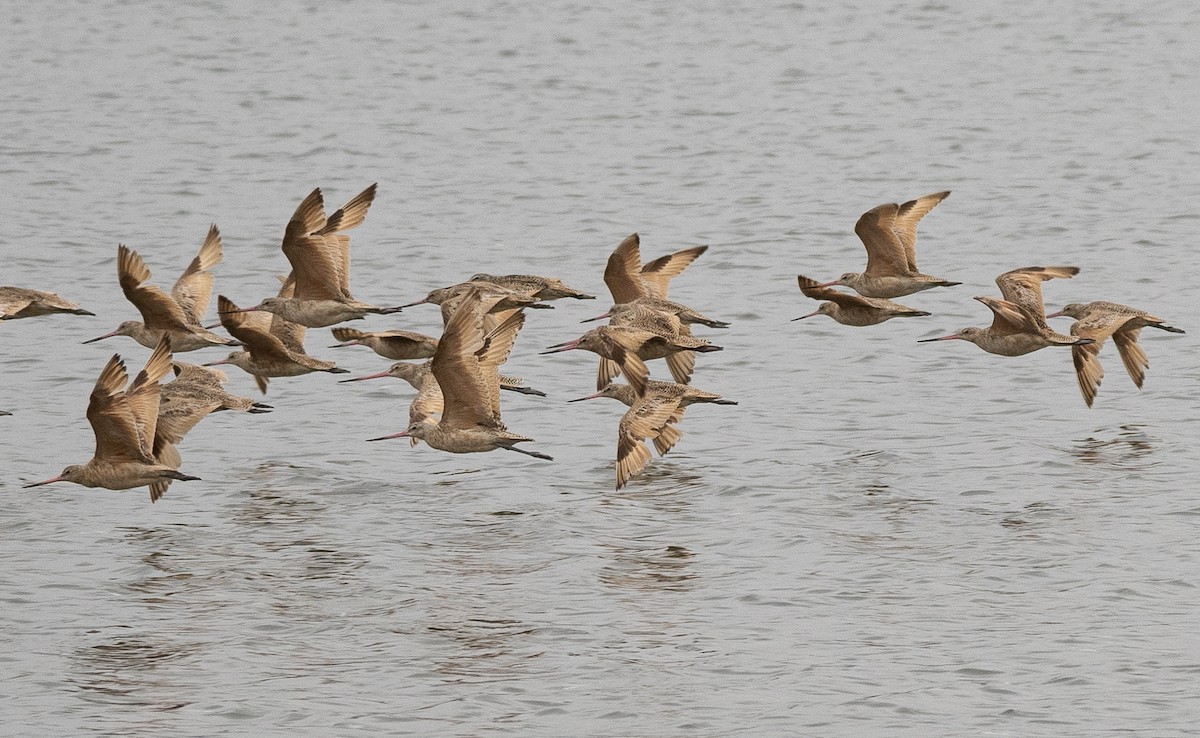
[884,538]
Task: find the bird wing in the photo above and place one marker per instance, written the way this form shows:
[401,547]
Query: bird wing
[644,420]
[159,310]
[1024,286]
[1097,326]
[124,421]
[15,299]
[290,334]
[657,274]
[316,263]
[1135,359]
[621,346]
[310,213]
[455,364]
[606,372]
[812,288]
[194,287]
[885,252]
[1010,318]
[429,402]
[497,346]
[621,274]
[346,217]
[352,213]
[669,434]
[905,225]
[251,331]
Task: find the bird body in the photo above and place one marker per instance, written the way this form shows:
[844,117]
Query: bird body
[850,309]
[274,346]
[542,288]
[21,302]
[124,421]
[466,367]
[177,315]
[319,253]
[396,345]
[1099,321]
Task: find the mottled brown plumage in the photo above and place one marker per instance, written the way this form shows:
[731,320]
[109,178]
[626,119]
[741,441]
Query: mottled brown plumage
[124,421]
[20,302]
[1098,321]
[889,234]
[849,308]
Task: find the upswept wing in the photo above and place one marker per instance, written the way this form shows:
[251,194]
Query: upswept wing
[194,287]
[907,218]
[885,252]
[159,310]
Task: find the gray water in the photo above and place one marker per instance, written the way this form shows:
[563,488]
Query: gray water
[884,538]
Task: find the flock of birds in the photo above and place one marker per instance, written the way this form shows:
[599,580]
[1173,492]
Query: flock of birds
[138,424]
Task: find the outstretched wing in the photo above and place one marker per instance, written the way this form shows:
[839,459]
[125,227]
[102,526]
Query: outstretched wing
[194,287]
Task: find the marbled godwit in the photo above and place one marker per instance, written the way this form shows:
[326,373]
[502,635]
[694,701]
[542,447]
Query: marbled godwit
[684,313]
[19,302]
[124,422]
[889,233]
[628,279]
[628,348]
[543,288]
[685,394]
[465,366]
[496,299]
[1014,331]
[178,314]
[416,375]
[393,345]
[274,346]
[672,329]
[848,308]
[320,257]
[1099,320]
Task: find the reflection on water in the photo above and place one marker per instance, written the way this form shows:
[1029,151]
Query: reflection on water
[1130,449]
[130,668]
[635,567]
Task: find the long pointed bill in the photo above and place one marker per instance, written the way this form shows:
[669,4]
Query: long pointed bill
[101,338]
[256,308]
[834,283]
[592,396]
[802,317]
[1058,314]
[561,347]
[377,375]
[418,302]
[950,337]
[48,481]
[344,344]
[403,434]
[601,316]
[217,363]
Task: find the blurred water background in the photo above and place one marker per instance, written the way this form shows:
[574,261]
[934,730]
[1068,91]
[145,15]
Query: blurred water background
[884,538]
